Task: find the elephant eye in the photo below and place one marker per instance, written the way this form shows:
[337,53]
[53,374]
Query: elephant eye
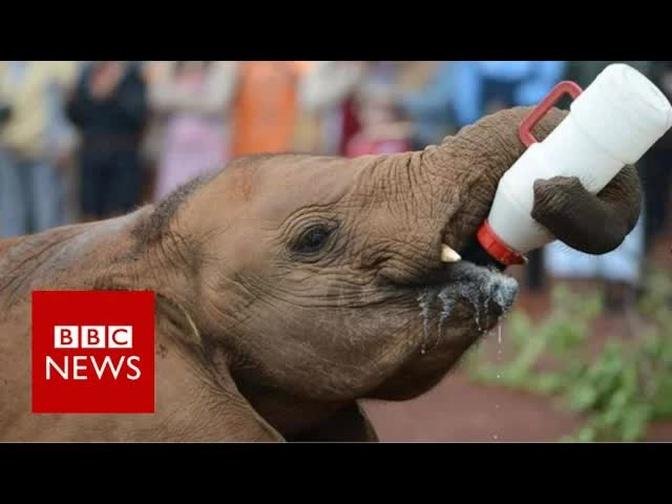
[313,239]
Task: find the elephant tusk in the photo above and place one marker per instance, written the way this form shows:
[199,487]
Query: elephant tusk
[448,255]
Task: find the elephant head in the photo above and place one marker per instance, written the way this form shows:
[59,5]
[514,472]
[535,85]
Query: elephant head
[314,281]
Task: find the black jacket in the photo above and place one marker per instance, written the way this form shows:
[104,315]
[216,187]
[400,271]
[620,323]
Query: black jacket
[115,122]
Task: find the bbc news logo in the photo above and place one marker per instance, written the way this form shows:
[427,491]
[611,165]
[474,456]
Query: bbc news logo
[93,336]
[93,352]
[77,367]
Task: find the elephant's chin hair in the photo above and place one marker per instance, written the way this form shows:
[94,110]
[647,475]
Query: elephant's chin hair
[479,286]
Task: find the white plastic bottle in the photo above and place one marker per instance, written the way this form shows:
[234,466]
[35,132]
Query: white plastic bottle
[613,122]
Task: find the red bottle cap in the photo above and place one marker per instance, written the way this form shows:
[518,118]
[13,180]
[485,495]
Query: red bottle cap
[496,247]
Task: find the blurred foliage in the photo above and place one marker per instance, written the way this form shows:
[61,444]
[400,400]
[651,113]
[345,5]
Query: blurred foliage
[619,391]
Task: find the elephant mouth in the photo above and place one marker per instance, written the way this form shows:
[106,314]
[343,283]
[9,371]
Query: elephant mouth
[459,304]
[465,293]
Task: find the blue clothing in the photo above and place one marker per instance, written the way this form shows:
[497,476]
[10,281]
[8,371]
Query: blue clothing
[32,189]
[527,81]
[431,108]
[622,264]
[31,196]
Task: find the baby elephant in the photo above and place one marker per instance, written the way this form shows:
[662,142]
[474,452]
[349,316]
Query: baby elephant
[289,286]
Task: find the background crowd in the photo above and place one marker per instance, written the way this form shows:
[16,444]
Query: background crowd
[89,140]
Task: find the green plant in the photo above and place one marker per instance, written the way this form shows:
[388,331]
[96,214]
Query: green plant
[561,335]
[619,391]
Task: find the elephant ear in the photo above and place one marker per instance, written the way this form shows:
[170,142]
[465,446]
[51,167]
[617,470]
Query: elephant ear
[234,417]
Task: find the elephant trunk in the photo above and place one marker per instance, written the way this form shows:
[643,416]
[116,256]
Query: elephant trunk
[453,186]
[465,169]
[479,155]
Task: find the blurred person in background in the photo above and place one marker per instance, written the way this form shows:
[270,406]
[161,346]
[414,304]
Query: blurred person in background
[430,107]
[324,89]
[4,113]
[35,144]
[266,106]
[372,117]
[382,73]
[656,173]
[109,108]
[483,87]
[383,130]
[191,100]
[383,126]
[619,271]
[335,93]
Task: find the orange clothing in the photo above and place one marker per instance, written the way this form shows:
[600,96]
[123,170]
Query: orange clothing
[266,106]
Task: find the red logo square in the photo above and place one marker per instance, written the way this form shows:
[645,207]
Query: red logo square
[93,352]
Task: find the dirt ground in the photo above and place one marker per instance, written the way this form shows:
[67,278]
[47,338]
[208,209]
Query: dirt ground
[459,411]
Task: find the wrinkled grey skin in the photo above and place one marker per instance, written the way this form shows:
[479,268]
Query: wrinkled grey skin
[260,337]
